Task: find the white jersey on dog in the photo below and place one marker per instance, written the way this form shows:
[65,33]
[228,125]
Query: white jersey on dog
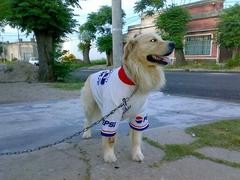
[109,87]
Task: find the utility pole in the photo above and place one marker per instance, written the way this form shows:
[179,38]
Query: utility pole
[117,32]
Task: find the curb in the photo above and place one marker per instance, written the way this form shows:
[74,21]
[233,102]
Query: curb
[202,70]
[168,70]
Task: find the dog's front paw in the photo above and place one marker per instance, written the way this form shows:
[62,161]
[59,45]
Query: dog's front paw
[87,135]
[138,156]
[109,157]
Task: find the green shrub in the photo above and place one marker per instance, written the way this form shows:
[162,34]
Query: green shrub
[233,62]
[62,70]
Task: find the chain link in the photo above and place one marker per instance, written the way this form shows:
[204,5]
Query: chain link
[123,104]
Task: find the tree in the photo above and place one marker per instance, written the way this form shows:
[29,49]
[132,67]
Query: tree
[98,26]
[97,23]
[50,20]
[229,29]
[104,44]
[104,25]
[87,35]
[172,23]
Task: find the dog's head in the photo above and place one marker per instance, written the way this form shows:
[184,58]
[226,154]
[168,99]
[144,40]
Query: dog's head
[149,49]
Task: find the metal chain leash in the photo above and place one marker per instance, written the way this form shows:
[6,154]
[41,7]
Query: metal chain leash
[123,104]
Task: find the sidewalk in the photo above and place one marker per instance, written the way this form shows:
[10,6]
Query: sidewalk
[82,159]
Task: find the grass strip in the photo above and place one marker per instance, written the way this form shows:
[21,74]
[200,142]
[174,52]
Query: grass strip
[222,134]
[67,86]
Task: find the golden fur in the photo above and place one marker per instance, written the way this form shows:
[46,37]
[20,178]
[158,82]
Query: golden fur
[146,75]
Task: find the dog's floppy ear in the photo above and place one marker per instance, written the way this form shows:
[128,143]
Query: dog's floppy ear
[128,48]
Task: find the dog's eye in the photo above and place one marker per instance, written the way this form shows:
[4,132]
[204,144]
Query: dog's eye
[153,40]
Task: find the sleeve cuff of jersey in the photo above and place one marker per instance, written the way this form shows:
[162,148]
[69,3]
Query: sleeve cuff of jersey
[138,128]
[107,134]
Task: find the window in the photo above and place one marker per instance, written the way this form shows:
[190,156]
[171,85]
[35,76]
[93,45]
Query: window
[198,45]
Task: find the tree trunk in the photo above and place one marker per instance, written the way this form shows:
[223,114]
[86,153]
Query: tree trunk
[109,58]
[86,51]
[235,53]
[180,58]
[45,49]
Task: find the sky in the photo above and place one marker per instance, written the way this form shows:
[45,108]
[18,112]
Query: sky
[89,6]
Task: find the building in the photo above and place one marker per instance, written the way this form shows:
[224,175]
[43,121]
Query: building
[21,50]
[200,40]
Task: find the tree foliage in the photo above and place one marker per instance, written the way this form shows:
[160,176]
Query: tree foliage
[98,27]
[229,29]
[148,6]
[103,43]
[4,11]
[172,23]
[50,20]
[97,23]
[49,16]
[104,25]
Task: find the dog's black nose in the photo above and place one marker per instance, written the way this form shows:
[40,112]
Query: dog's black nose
[171,45]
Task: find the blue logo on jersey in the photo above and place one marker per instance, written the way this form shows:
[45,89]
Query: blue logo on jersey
[103,77]
[110,124]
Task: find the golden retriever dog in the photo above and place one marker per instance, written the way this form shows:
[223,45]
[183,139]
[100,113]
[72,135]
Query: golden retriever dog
[140,73]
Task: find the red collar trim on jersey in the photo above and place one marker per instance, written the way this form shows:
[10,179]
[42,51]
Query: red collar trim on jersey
[124,78]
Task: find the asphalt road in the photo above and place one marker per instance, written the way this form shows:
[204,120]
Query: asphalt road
[223,86]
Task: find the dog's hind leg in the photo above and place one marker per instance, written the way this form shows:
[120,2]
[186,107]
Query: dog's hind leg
[91,109]
[136,138]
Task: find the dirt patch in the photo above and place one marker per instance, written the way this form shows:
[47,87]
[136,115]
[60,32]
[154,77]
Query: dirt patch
[28,92]
[18,72]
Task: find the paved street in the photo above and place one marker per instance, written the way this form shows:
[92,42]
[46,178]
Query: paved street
[223,86]
[27,125]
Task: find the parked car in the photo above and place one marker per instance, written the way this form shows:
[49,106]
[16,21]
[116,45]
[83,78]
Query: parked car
[34,61]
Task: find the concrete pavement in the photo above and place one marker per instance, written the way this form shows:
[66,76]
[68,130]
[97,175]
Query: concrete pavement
[82,159]
[39,123]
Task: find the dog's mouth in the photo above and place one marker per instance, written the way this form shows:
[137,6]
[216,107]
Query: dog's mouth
[159,59]
[162,60]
